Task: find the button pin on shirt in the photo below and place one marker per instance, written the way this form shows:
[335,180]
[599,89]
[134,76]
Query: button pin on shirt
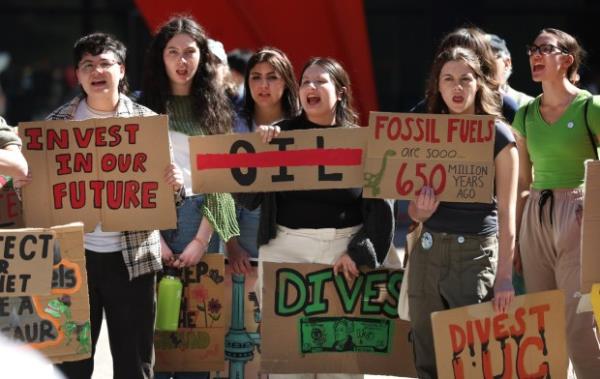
[570,124]
[426,241]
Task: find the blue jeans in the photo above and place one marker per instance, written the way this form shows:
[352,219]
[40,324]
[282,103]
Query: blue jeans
[189,216]
[248,221]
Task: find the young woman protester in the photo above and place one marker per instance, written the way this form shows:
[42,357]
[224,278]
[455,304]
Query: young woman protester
[271,96]
[120,266]
[457,264]
[557,132]
[180,80]
[337,226]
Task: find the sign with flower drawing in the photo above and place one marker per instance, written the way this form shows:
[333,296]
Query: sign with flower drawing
[198,344]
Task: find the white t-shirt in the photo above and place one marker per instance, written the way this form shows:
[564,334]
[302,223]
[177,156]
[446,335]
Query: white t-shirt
[99,241]
[181,155]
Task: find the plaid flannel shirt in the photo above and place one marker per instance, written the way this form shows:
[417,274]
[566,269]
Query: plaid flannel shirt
[141,250]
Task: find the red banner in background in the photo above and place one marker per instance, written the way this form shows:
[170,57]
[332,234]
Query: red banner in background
[302,29]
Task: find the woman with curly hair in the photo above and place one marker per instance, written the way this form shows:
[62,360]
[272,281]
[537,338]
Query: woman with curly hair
[180,80]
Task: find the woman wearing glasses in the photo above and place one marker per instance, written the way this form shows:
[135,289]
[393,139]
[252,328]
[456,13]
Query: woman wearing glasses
[557,132]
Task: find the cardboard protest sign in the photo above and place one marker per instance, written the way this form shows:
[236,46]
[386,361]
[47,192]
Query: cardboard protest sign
[526,342]
[590,238]
[452,154]
[11,216]
[198,344]
[107,170]
[242,315]
[315,322]
[57,324]
[295,160]
[26,261]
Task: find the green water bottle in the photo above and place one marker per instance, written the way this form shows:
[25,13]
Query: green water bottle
[169,301]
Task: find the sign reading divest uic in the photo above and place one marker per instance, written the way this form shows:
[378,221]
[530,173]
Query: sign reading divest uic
[526,342]
[109,170]
[452,154]
[300,159]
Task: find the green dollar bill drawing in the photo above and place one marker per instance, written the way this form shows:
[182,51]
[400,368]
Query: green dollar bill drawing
[345,334]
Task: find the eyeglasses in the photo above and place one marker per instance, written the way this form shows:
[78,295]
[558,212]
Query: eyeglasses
[88,67]
[545,49]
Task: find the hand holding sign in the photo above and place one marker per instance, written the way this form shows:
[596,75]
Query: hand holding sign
[99,170]
[268,132]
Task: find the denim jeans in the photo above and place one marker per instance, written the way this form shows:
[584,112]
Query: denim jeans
[248,221]
[189,216]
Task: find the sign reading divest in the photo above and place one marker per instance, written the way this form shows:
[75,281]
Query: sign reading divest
[26,261]
[452,154]
[58,323]
[316,322]
[107,170]
[526,342]
[198,344]
[299,159]
[590,239]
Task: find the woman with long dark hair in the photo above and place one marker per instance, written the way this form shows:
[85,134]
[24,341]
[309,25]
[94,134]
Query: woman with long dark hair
[557,132]
[462,263]
[180,80]
[271,96]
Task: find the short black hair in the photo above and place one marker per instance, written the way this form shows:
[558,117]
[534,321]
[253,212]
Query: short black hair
[98,43]
[238,60]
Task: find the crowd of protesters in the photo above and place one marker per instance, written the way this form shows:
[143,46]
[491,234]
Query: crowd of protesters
[529,235]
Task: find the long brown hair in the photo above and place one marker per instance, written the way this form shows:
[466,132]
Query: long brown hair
[569,44]
[487,100]
[211,106]
[282,66]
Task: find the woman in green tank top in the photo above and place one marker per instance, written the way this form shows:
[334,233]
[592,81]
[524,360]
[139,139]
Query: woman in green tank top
[556,133]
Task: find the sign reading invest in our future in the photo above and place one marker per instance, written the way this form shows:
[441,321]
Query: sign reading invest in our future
[109,170]
[300,159]
[452,154]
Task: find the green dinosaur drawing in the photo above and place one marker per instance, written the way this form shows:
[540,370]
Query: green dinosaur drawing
[62,307]
[374,180]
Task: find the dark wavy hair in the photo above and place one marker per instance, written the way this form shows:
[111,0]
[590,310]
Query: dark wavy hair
[487,100]
[345,115]
[282,65]
[98,43]
[211,106]
[570,44]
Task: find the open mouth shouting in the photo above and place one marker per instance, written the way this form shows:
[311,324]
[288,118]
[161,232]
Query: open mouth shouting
[99,83]
[313,100]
